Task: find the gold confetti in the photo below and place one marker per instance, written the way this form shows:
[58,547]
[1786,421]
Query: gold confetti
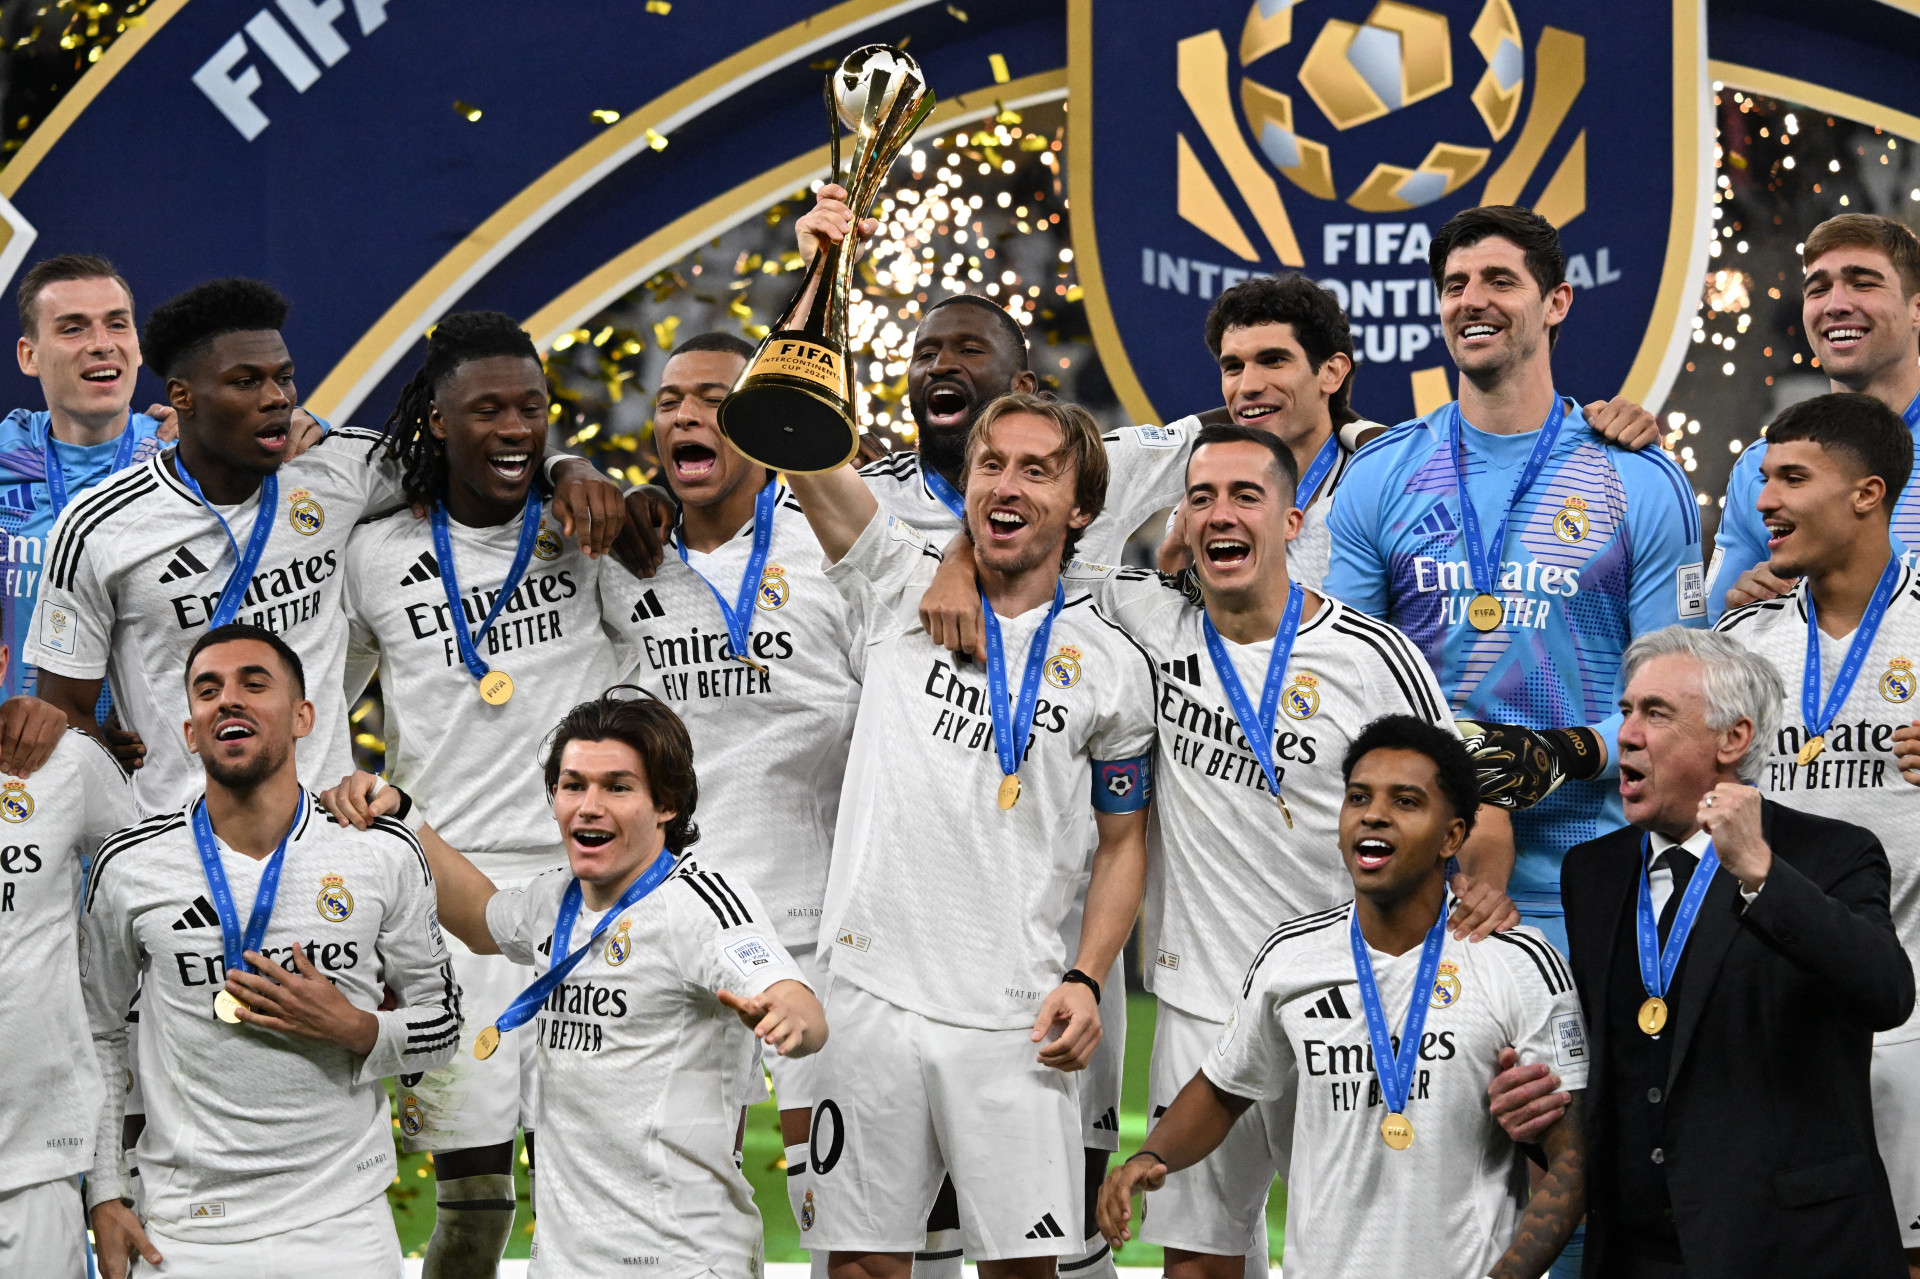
[656,140]
[661,7]
[664,330]
[999,65]
[758,332]
[367,741]
[740,309]
[824,64]
[467,109]
[1033,142]
[1003,114]
[1075,293]
[604,116]
[600,338]
[959,13]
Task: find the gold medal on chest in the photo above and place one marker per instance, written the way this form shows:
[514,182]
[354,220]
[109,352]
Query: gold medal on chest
[496,687]
[1811,751]
[227,1008]
[1485,612]
[1396,1131]
[1009,793]
[1653,1015]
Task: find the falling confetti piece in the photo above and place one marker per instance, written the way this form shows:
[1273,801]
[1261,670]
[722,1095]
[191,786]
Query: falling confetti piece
[999,65]
[959,13]
[467,109]
[664,330]
[661,7]
[605,116]
[655,140]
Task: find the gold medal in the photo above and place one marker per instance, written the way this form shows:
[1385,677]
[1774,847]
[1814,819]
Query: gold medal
[485,1042]
[227,1008]
[1285,812]
[1811,751]
[1396,1131]
[496,687]
[1485,612]
[1653,1015]
[1009,793]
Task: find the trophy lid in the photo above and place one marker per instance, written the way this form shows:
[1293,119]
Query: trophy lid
[870,67]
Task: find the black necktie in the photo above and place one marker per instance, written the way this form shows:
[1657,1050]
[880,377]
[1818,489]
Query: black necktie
[1681,863]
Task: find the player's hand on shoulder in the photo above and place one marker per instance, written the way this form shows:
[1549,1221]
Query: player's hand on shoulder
[1479,909]
[950,608]
[169,421]
[1906,751]
[305,433]
[29,730]
[828,222]
[650,517]
[1114,1212]
[302,1002]
[117,1236]
[1072,1011]
[1525,1100]
[588,505]
[360,797]
[1620,421]
[1756,584]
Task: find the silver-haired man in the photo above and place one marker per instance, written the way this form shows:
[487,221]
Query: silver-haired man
[1734,958]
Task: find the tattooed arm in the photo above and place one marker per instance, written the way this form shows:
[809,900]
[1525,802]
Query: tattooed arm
[1558,1202]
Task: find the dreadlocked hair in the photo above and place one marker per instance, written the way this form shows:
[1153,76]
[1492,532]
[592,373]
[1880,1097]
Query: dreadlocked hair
[462,336]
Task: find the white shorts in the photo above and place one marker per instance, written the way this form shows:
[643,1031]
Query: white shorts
[1100,1081]
[1896,1123]
[1218,1206]
[905,1100]
[43,1230]
[361,1243]
[469,1103]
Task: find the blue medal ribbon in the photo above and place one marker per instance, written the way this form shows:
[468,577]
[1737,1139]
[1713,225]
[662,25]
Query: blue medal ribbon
[739,615]
[529,1001]
[57,479]
[1483,558]
[1012,724]
[1818,717]
[244,562]
[1317,471]
[234,944]
[450,580]
[1395,1069]
[1912,413]
[944,492]
[1657,967]
[1257,727]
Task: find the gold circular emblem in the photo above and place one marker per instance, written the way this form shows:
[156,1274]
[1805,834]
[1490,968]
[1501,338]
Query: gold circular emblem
[496,688]
[1446,987]
[335,902]
[227,1008]
[619,946]
[773,588]
[548,545]
[1009,793]
[1396,1131]
[1898,684]
[15,804]
[1653,1015]
[1063,668]
[485,1042]
[1570,524]
[306,516]
[1485,612]
[1300,698]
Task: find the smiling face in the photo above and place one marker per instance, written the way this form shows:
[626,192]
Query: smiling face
[1816,505]
[1858,320]
[84,348]
[236,398]
[1240,517]
[605,810]
[1669,758]
[492,415]
[1492,311]
[245,713]
[962,361]
[1268,381]
[1020,495]
[701,466]
[1397,829]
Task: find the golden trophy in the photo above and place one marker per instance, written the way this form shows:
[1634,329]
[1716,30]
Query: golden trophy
[792,408]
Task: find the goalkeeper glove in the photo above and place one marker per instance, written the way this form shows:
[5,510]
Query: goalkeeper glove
[1519,767]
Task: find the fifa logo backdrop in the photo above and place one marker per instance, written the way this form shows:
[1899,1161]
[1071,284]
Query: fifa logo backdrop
[1333,137]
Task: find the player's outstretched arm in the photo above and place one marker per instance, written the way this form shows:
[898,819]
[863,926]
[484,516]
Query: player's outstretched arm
[1194,1125]
[838,505]
[1558,1202]
[786,1015]
[1113,901]
[950,608]
[461,890]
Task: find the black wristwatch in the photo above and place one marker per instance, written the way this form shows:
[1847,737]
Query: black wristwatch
[1074,974]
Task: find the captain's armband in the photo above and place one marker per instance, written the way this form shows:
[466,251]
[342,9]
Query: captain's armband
[1123,785]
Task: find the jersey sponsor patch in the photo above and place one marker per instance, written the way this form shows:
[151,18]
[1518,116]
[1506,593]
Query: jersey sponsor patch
[208,1210]
[1690,585]
[852,940]
[749,954]
[1569,1040]
[58,628]
[1157,437]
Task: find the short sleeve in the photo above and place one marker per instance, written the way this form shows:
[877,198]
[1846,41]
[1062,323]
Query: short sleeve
[1401,682]
[884,573]
[721,936]
[1667,584]
[1357,571]
[1741,540]
[107,794]
[1146,472]
[1126,730]
[518,923]
[1253,1057]
[71,633]
[355,459]
[1543,1019]
[1147,604]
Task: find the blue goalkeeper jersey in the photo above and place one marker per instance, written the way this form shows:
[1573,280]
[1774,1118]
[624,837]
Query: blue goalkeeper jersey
[1741,540]
[1604,546]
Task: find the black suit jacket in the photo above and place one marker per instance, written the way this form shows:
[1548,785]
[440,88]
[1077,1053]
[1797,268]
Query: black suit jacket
[1769,1146]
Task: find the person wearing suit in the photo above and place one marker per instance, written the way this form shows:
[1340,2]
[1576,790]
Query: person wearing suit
[1731,1131]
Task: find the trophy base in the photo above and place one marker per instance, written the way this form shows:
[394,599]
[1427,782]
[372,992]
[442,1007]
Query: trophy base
[789,428]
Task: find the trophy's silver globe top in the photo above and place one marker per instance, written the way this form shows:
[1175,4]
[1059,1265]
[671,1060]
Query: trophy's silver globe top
[866,68]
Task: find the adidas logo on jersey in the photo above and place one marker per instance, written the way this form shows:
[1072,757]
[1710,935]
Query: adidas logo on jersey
[425,569]
[1046,1228]
[1185,669]
[184,564]
[649,606]
[1437,524]
[199,915]
[1108,1122]
[1330,1005]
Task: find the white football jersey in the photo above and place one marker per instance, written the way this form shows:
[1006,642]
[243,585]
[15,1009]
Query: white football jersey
[136,569]
[938,901]
[770,746]
[1225,866]
[477,769]
[1855,778]
[641,1071]
[49,823]
[1447,1206]
[251,1132]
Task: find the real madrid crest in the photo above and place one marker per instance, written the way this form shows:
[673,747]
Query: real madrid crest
[304,513]
[1063,668]
[773,587]
[1898,684]
[1301,698]
[335,902]
[1446,986]
[547,545]
[806,1212]
[410,1119]
[15,804]
[1570,522]
[619,946]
